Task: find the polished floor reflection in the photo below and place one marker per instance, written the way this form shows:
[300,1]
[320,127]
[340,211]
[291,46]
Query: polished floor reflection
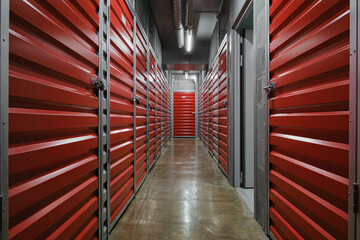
[187,197]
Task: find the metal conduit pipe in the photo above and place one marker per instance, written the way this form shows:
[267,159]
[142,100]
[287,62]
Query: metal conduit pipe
[178,23]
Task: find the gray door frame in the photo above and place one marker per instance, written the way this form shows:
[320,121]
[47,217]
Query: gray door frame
[354,135]
[4,115]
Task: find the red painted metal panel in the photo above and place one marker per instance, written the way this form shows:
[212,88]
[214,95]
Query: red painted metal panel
[309,119]
[152,130]
[53,119]
[215,110]
[141,112]
[121,118]
[158,111]
[223,108]
[184,119]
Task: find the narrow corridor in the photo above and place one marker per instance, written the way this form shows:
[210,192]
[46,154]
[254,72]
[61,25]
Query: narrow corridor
[187,197]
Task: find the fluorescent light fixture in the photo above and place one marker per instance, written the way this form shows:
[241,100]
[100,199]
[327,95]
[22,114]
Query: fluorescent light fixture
[189,40]
[186,75]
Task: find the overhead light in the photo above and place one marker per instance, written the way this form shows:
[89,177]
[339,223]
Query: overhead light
[189,40]
[186,75]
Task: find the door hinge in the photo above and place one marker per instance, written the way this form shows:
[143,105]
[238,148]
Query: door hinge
[98,83]
[355,197]
[269,88]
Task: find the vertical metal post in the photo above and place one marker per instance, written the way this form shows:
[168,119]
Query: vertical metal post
[134,95]
[261,43]
[354,168]
[147,107]
[104,118]
[234,108]
[156,111]
[4,113]
[108,111]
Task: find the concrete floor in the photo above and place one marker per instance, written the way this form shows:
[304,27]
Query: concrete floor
[186,197]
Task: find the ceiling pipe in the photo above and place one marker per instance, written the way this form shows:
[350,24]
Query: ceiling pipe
[178,22]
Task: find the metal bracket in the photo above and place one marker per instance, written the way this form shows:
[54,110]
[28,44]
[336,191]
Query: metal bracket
[150,106]
[355,197]
[135,99]
[269,88]
[98,83]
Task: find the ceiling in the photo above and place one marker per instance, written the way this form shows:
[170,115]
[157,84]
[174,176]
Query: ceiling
[204,20]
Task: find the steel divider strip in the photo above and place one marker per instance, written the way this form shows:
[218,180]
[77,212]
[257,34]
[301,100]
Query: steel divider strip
[4,115]
[134,94]
[108,109]
[147,106]
[100,94]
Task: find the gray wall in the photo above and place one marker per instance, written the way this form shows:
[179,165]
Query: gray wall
[146,18]
[219,33]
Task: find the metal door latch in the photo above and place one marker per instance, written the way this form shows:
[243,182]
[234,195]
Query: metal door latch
[135,99]
[355,197]
[150,106]
[269,88]
[98,83]
[225,103]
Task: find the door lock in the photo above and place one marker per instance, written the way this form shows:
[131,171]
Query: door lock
[98,83]
[269,88]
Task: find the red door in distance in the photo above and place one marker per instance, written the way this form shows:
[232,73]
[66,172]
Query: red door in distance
[184,114]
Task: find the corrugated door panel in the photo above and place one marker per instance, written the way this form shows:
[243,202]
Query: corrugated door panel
[163,113]
[163,109]
[215,109]
[223,108]
[158,111]
[53,119]
[141,93]
[309,119]
[121,118]
[152,133]
[184,119]
[206,120]
[200,114]
[211,90]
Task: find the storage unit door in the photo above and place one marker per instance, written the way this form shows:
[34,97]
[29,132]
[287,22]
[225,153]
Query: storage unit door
[53,164]
[158,113]
[152,133]
[309,119]
[215,111]
[141,112]
[223,109]
[184,117]
[121,109]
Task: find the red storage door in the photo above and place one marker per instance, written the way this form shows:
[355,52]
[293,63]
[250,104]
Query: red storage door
[215,111]
[158,112]
[53,141]
[141,112]
[163,110]
[206,115]
[121,106]
[309,119]
[223,108]
[211,86]
[184,119]
[152,130]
